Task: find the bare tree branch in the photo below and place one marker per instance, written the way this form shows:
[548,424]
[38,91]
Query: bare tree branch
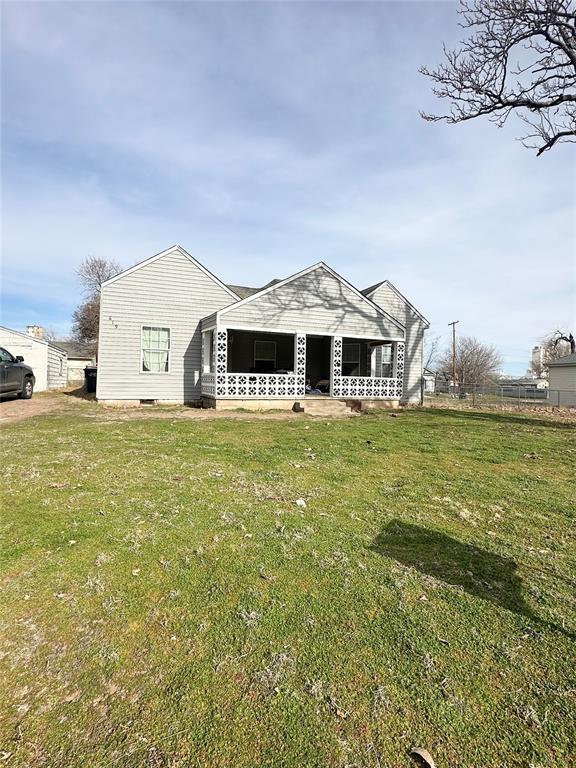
[92,272]
[478,79]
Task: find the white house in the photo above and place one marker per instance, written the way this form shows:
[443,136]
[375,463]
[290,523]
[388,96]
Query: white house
[171,331]
[78,357]
[46,359]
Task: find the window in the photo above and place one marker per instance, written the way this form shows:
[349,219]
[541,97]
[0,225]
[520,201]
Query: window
[208,352]
[265,355]
[350,359]
[155,349]
[387,361]
[5,356]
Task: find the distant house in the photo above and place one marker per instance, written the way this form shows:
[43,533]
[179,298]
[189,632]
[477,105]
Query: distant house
[429,379]
[78,357]
[45,358]
[562,380]
[171,331]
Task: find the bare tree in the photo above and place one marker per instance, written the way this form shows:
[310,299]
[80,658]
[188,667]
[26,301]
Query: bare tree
[555,345]
[94,271]
[567,339]
[85,323]
[86,318]
[431,351]
[520,57]
[476,363]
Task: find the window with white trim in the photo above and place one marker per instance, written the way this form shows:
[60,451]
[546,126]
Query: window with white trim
[155,349]
[264,355]
[387,361]
[208,351]
[350,359]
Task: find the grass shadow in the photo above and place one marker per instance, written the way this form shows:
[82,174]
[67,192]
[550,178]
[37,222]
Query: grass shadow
[502,418]
[480,573]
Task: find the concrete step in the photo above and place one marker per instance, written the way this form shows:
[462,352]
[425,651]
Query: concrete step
[324,407]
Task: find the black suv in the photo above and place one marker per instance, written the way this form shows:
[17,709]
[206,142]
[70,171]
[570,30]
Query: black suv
[15,377]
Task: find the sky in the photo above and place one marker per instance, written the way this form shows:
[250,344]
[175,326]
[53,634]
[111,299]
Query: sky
[264,137]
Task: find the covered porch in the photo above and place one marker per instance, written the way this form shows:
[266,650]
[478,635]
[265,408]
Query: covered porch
[258,364]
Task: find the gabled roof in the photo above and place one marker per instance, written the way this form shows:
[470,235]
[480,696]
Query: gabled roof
[369,291]
[244,291]
[172,249]
[74,349]
[27,336]
[274,284]
[566,360]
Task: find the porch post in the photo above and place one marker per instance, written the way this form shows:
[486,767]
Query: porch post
[221,361]
[335,365]
[300,363]
[400,368]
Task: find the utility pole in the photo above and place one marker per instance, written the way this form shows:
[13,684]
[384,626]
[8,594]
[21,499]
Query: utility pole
[453,324]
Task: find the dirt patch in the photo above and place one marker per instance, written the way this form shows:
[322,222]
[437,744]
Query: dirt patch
[67,402]
[14,409]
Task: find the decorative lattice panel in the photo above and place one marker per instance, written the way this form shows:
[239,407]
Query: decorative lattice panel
[364,386]
[300,366]
[399,368]
[221,361]
[262,384]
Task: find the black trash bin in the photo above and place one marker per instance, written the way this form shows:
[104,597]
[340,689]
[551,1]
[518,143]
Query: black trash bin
[90,378]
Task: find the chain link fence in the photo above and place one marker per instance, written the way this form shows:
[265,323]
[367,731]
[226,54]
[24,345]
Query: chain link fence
[502,396]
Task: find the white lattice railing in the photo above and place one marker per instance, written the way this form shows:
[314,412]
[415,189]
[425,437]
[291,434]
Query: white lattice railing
[254,385]
[365,386]
[269,385]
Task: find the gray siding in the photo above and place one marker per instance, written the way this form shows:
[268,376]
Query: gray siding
[317,303]
[57,368]
[387,298]
[170,292]
[562,378]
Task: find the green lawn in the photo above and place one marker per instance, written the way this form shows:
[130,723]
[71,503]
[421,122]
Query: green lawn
[165,601]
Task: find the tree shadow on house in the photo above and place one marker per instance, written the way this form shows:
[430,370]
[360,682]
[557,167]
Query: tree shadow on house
[480,573]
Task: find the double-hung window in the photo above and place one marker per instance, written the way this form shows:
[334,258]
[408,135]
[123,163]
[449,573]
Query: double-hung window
[208,351]
[351,359]
[155,349]
[387,361]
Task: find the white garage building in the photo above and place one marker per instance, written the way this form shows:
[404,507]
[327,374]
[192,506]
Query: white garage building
[46,360]
[562,378]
